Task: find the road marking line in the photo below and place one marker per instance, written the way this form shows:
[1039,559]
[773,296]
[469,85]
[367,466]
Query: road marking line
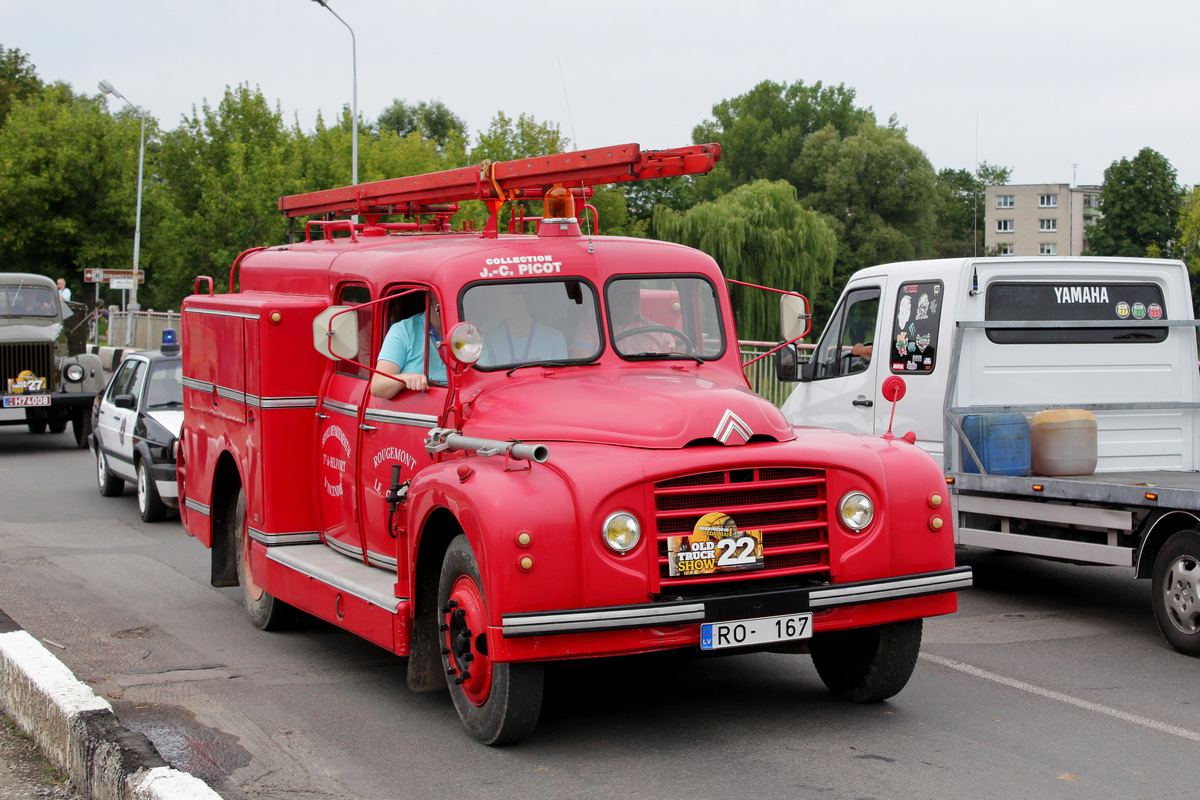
[1145,722]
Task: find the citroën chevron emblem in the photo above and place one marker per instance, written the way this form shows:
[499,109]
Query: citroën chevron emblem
[730,424]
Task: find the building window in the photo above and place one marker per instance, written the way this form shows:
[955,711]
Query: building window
[1004,201]
[1048,225]
[1004,226]
[1091,201]
[1008,249]
[1048,201]
[1047,249]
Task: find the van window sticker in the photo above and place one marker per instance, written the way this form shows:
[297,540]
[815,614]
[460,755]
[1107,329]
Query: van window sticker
[915,332]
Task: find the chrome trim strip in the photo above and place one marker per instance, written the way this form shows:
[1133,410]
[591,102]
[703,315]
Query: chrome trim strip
[198,507]
[288,402]
[605,619]
[344,549]
[401,418]
[293,537]
[231,394]
[200,386]
[216,313]
[330,573]
[377,560]
[341,408]
[887,590]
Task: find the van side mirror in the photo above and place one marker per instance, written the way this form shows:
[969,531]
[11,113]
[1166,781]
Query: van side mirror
[335,333]
[787,364]
[794,318]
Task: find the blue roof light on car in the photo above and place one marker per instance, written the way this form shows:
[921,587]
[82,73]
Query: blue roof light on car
[170,342]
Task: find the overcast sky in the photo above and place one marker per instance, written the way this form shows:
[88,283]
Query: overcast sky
[1055,89]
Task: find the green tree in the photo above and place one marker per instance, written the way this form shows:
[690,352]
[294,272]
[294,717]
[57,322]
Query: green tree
[431,120]
[960,216]
[1189,242]
[758,233]
[507,140]
[68,185]
[762,132]
[18,81]
[224,169]
[1141,203]
[877,190]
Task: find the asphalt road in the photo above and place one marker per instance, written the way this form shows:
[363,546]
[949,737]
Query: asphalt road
[1051,681]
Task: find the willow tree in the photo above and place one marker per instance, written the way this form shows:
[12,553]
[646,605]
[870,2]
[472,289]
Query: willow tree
[758,233]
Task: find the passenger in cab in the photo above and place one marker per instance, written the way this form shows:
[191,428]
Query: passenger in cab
[410,344]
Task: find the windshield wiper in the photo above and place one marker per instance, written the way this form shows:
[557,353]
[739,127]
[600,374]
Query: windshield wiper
[554,363]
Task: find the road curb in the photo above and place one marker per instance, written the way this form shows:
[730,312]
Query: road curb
[78,732]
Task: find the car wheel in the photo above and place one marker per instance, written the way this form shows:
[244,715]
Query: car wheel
[110,485]
[265,611]
[150,504]
[36,425]
[1175,592]
[867,665]
[58,426]
[498,702]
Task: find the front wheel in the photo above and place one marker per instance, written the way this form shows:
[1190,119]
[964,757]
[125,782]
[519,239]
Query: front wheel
[867,665]
[498,702]
[1175,592]
[266,613]
[36,425]
[150,504]
[110,485]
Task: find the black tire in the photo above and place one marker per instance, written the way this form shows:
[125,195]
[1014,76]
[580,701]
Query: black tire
[499,703]
[110,485]
[150,504]
[81,426]
[867,665]
[58,425]
[1175,591]
[266,613]
[36,425]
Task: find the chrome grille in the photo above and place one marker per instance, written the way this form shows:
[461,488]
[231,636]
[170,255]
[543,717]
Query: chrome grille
[787,504]
[36,356]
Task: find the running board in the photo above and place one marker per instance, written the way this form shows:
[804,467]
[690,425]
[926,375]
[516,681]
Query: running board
[325,565]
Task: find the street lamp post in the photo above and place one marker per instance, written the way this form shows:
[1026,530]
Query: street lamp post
[107,88]
[353,97]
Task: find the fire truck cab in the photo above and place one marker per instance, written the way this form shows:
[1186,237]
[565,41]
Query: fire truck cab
[570,465]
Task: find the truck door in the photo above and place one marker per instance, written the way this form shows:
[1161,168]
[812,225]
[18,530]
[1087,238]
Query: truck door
[339,414]
[394,429]
[838,389]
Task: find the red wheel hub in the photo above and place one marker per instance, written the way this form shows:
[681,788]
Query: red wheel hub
[466,621]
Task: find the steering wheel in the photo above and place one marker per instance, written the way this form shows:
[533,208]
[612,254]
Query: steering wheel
[678,334]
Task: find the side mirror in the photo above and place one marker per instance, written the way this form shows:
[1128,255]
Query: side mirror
[335,333]
[787,364]
[794,319]
[125,401]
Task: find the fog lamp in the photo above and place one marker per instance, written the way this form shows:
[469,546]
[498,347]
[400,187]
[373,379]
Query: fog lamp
[466,343]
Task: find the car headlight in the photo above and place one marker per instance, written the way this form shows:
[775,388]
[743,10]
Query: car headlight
[621,532]
[73,373]
[855,511]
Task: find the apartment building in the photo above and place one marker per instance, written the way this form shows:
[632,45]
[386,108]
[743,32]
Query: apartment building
[1039,219]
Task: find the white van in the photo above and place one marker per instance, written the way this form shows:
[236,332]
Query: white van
[978,338]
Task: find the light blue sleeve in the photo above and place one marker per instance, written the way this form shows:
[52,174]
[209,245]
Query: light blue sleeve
[402,345]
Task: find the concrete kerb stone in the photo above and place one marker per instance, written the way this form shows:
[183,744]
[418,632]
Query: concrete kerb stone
[78,731]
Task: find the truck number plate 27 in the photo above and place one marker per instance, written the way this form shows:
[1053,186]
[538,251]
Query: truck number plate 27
[25,400]
[762,630]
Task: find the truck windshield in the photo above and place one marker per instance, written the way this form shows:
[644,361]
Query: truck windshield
[645,317]
[28,301]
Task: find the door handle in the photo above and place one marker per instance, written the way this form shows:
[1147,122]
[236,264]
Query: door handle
[862,401]
[366,427]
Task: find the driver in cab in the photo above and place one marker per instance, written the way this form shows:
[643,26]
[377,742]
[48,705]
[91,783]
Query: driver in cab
[625,315]
[408,346]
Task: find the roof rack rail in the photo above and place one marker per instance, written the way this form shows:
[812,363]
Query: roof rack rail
[497,182]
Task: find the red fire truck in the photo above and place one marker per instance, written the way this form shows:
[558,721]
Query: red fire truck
[576,466]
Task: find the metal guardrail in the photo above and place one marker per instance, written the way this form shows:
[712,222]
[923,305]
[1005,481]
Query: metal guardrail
[761,374]
[147,328]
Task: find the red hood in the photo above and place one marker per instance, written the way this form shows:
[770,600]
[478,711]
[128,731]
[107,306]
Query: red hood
[632,408]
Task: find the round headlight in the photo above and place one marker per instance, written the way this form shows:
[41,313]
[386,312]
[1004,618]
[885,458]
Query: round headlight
[621,532]
[466,343]
[856,511]
[74,373]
